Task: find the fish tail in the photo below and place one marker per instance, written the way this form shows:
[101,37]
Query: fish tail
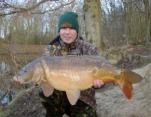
[126,79]
[126,88]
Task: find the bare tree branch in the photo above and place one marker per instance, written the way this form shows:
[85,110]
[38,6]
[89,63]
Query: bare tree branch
[135,2]
[60,6]
[16,9]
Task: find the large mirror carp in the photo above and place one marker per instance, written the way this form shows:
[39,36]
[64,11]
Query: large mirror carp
[73,74]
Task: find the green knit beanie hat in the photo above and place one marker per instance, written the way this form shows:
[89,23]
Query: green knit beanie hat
[69,19]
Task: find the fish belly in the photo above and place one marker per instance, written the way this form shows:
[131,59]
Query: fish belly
[65,81]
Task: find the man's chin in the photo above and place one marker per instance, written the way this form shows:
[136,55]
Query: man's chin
[68,41]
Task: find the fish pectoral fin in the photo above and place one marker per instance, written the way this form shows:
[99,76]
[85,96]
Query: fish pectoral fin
[47,88]
[73,96]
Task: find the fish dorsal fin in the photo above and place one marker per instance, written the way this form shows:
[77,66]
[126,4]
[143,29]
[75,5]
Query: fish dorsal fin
[73,96]
[47,88]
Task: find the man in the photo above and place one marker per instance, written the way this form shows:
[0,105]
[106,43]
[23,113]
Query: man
[70,43]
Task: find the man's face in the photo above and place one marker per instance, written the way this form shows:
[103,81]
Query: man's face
[68,35]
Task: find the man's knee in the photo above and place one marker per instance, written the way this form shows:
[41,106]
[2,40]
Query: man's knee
[83,110]
[52,105]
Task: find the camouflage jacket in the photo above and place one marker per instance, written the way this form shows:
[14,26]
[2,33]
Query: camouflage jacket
[80,47]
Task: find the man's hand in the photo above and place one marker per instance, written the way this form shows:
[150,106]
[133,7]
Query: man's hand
[98,83]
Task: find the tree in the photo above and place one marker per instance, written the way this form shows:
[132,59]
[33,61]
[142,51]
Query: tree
[92,18]
[30,21]
[147,11]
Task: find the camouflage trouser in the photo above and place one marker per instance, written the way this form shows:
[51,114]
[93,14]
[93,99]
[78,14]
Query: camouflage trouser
[57,105]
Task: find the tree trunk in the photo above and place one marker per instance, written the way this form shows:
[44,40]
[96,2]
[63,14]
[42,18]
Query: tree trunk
[147,19]
[92,17]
